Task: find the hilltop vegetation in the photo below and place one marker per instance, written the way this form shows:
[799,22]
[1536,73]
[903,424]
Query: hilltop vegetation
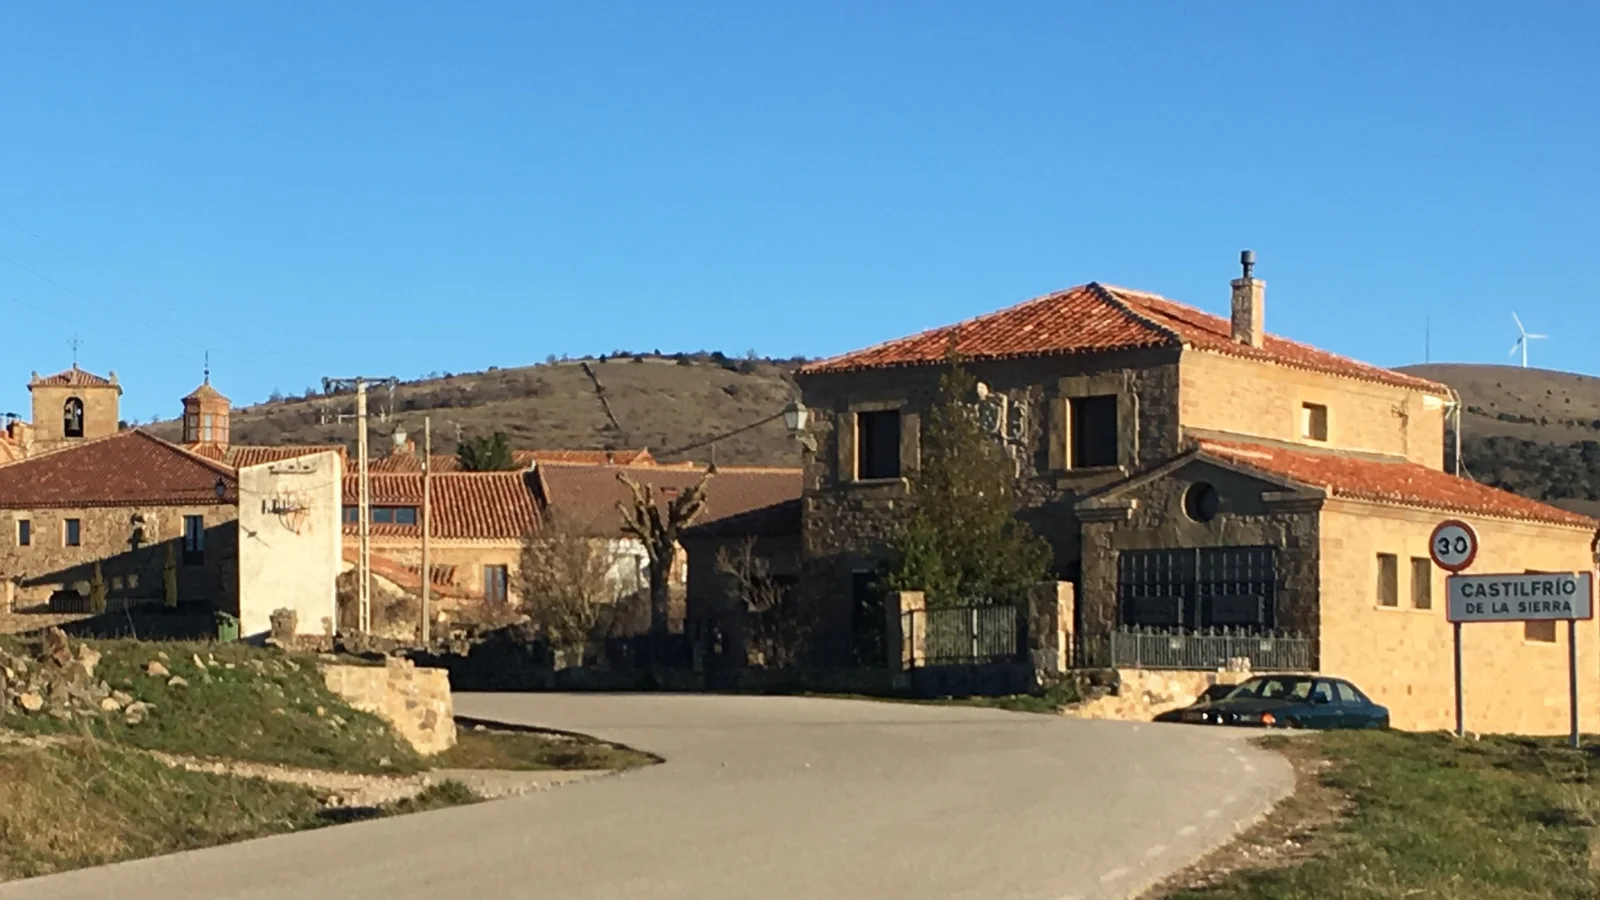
[669,403]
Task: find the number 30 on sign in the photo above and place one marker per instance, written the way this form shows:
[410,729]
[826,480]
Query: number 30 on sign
[1454,545]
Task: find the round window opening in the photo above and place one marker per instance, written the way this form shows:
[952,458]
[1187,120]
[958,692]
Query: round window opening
[1200,502]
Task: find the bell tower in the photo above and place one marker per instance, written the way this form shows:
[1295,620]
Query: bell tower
[73,406]
[205,415]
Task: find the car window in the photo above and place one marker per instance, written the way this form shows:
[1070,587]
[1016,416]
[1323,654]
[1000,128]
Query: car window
[1322,693]
[1348,694]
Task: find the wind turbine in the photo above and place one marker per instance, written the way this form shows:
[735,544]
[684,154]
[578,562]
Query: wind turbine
[1522,340]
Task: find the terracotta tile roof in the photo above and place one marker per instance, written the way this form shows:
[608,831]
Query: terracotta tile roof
[205,392]
[409,578]
[130,468]
[464,505]
[402,461]
[590,494]
[73,377]
[1398,481]
[1093,318]
[240,455]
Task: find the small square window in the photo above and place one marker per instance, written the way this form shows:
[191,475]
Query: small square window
[1388,579]
[24,533]
[1421,582]
[72,533]
[1539,631]
[1314,421]
[352,515]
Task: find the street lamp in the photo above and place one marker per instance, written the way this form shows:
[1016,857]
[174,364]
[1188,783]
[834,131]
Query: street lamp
[796,416]
[221,487]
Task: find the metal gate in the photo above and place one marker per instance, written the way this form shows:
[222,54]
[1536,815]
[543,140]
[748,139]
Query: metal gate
[1193,588]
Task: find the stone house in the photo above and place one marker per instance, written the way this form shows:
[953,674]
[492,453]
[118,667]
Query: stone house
[1192,471]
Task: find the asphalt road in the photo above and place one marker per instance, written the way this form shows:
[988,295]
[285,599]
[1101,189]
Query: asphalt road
[778,798]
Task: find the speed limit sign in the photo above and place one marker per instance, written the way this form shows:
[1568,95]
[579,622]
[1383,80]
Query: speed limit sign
[1454,545]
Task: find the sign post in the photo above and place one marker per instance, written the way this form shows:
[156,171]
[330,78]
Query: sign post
[1453,546]
[1528,597]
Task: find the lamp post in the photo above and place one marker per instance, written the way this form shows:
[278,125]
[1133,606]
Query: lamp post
[221,487]
[796,416]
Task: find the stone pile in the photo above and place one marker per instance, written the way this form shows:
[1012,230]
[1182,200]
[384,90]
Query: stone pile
[59,680]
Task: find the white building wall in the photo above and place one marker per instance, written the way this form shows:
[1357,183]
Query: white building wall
[290,542]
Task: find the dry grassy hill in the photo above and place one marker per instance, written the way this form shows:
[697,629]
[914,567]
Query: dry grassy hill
[1532,431]
[664,403]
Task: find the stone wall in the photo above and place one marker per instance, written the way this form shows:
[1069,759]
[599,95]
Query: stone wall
[415,702]
[99,414]
[1153,517]
[131,571]
[1403,656]
[1228,393]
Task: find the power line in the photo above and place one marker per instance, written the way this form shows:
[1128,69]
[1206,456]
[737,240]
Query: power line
[122,283]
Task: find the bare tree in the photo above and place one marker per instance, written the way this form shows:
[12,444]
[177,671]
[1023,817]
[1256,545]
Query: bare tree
[777,632]
[658,528]
[566,582]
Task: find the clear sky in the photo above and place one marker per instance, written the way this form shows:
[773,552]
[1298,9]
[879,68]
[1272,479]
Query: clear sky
[310,189]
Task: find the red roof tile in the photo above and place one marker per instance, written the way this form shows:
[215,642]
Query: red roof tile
[402,461]
[131,468]
[240,455]
[205,392]
[73,377]
[409,578]
[1093,318]
[1400,482]
[471,505]
[590,494]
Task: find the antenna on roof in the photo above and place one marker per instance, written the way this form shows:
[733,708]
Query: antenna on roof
[208,367]
[1247,259]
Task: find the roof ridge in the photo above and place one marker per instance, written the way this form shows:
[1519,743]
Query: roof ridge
[218,467]
[1109,294]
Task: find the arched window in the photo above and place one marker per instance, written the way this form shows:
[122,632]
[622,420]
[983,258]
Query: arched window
[72,418]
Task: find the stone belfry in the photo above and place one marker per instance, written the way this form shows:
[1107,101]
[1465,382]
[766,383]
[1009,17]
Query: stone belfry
[73,406]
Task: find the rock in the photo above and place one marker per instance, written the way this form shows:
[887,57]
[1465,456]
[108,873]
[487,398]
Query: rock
[156,669]
[56,649]
[31,702]
[384,762]
[178,681]
[162,655]
[136,712]
[89,658]
[321,712]
[110,705]
[230,666]
[122,698]
[198,664]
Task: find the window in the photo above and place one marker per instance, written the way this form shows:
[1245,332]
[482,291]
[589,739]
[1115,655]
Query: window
[866,618]
[1200,502]
[1348,694]
[878,444]
[1539,631]
[1421,582]
[205,427]
[72,418]
[1388,579]
[1314,421]
[352,515]
[1211,587]
[1322,693]
[191,427]
[1094,432]
[72,533]
[194,540]
[494,584]
[24,533]
[385,515]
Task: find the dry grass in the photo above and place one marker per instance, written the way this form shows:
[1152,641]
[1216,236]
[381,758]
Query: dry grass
[479,747]
[88,803]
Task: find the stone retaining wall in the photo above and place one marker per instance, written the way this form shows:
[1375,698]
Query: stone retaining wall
[415,702]
[1142,694]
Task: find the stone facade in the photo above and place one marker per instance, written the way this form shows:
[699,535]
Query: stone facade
[415,702]
[99,406]
[1403,657]
[132,571]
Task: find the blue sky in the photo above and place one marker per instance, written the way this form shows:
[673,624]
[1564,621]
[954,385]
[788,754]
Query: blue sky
[311,189]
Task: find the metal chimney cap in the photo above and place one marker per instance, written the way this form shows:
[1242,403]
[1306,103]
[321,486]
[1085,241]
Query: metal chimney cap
[1247,259]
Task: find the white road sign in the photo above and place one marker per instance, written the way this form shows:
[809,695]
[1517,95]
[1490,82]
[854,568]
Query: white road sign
[1519,598]
[1453,545]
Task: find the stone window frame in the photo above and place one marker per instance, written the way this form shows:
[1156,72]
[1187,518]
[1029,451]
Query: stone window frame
[24,532]
[1306,397]
[1421,564]
[1379,588]
[68,525]
[845,462]
[1059,434]
[1309,422]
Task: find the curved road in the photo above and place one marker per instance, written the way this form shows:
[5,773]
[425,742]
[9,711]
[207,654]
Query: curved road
[774,797]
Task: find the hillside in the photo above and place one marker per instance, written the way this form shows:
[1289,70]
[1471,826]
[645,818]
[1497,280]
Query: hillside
[663,403]
[1532,431]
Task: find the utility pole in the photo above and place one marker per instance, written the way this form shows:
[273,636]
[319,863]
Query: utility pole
[427,496]
[364,495]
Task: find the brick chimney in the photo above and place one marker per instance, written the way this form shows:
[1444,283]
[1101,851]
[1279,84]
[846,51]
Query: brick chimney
[1249,303]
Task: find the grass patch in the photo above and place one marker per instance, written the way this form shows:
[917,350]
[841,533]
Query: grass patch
[268,707]
[1050,702]
[86,804]
[1427,817]
[535,751]
[436,796]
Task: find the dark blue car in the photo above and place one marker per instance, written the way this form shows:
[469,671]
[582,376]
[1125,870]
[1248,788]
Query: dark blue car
[1286,701]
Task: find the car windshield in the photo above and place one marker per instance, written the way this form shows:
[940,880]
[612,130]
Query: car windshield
[1272,689]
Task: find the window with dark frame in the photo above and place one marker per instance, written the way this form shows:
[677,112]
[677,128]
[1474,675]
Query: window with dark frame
[877,444]
[495,579]
[1094,432]
[194,540]
[72,533]
[24,533]
[1388,579]
[1421,582]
